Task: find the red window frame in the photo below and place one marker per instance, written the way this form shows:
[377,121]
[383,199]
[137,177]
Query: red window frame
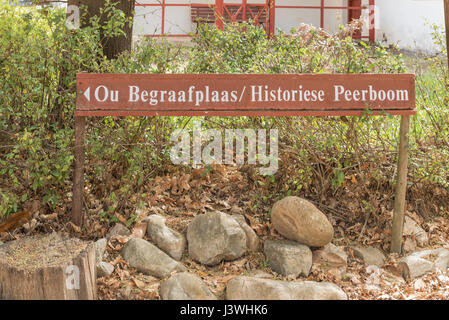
[354,9]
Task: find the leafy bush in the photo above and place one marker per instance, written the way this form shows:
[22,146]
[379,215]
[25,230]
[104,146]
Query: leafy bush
[39,59]
[245,48]
[38,63]
[431,126]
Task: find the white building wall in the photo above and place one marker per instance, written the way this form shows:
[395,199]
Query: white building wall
[404,22]
[333,18]
[401,22]
[147,20]
[290,18]
[177,19]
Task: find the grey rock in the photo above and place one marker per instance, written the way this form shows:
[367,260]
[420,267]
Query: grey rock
[288,257]
[369,255]
[431,253]
[104,269]
[331,259]
[260,274]
[299,220]
[391,278]
[411,228]
[252,240]
[248,288]
[214,237]
[331,255]
[170,241]
[442,262]
[414,267]
[439,257]
[149,259]
[1,243]
[118,230]
[100,249]
[185,286]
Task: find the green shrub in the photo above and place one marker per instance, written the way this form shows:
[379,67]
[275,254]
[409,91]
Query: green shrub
[431,126]
[39,59]
[245,48]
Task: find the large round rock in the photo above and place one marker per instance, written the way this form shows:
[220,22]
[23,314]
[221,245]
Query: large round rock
[215,236]
[251,288]
[299,220]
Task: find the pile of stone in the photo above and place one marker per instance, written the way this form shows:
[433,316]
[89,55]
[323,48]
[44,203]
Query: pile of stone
[215,237]
[305,227]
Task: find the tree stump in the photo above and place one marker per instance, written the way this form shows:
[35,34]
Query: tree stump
[48,267]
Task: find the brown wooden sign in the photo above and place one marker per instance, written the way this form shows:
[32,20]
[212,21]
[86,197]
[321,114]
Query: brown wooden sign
[244,94]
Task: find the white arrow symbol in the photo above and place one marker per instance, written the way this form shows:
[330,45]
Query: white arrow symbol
[87,94]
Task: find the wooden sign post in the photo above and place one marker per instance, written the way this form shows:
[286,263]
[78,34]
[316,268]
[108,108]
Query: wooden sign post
[246,95]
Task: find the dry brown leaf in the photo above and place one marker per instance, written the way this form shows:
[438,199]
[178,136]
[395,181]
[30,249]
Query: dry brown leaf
[139,284]
[49,217]
[226,279]
[201,273]
[139,230]
[75,227]
[250,220]
[192,263]
[351,252]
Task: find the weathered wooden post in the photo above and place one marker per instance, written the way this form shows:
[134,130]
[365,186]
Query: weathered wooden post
[48,267]
[401,186]
[78,174]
